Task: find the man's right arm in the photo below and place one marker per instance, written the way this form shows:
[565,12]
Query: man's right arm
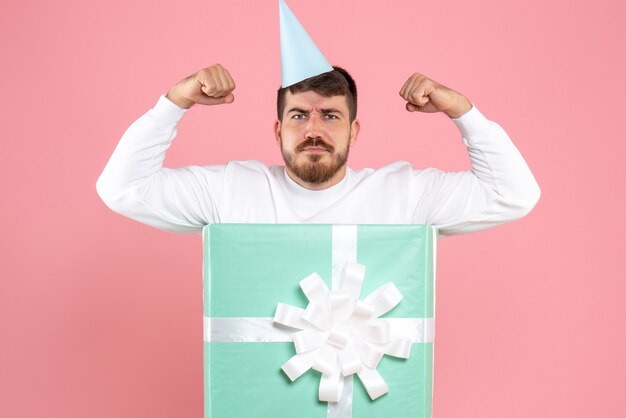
[134,182]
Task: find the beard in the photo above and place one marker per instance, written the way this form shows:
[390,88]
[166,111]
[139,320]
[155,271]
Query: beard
[313,171]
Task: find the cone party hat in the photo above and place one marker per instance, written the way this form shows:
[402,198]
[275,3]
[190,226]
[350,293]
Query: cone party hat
[300,57]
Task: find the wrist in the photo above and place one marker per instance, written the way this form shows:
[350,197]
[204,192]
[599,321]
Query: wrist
[174,97]
[462,106]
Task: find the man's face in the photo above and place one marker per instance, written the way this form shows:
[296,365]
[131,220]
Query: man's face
[315,136]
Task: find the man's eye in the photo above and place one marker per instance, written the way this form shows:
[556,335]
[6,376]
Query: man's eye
[299,116]
[330,116]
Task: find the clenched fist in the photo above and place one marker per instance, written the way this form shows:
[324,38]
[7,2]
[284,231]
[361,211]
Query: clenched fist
[425,95]
[210,86]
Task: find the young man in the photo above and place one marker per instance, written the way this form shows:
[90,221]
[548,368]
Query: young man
[315,128]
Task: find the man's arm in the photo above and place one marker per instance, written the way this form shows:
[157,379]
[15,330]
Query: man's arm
[134,182]
[499,189]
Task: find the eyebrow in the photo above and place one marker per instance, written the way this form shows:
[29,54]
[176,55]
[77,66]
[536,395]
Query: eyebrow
[324,111]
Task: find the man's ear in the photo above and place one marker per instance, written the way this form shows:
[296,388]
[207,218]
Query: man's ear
[277,132]
[354,131]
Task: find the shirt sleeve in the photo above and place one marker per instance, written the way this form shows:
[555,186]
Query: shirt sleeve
[500,187]
[135,184]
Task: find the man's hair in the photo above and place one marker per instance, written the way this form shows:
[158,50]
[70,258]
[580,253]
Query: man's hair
[333,83]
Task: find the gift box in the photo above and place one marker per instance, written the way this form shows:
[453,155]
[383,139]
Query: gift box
[315,321]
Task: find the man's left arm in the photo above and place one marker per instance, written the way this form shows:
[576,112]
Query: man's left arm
[500,188]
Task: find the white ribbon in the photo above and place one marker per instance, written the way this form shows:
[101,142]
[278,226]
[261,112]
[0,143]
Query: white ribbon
[342,335]
[244,329]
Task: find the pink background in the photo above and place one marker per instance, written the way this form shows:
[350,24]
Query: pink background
[101,316]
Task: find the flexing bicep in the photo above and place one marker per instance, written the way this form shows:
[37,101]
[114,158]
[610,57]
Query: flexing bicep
[500,187]
[180,200]
[135,184]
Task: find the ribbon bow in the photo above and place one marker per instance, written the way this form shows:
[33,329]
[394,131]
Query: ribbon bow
[342,335]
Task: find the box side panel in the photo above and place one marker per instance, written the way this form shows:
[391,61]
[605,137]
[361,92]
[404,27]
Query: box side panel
[248,383]
[410,387]
[401,255]
[253,267]
[245,379]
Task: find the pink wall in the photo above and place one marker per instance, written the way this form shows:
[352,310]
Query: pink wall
[101,316]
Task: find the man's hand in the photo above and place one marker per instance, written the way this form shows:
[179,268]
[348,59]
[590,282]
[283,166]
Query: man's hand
[426,95]
[210,86]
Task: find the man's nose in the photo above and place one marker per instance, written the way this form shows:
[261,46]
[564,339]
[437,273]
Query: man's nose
[313,127]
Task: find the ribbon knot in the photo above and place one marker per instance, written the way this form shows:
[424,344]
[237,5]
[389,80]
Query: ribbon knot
[341,335]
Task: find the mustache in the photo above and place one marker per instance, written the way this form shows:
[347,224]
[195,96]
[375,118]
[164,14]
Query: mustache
[315,142]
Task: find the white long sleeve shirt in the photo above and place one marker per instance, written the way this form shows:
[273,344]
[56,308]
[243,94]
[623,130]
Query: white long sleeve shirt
[499,188]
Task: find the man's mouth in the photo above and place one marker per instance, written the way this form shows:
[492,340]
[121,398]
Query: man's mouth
[315,150]
[314,147]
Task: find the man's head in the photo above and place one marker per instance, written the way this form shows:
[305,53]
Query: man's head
[334,83]
[316,126]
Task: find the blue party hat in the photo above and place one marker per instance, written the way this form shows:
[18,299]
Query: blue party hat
[299,56]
